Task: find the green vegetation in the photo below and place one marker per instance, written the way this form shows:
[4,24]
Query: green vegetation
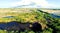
[49,24]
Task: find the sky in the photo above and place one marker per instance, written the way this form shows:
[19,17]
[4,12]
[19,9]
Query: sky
[30,3]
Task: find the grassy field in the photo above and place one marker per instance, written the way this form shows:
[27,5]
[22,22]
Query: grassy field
[12,11]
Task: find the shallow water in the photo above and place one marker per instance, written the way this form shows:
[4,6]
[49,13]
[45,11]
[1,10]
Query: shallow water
[4,25]
[55,16]
[9,17]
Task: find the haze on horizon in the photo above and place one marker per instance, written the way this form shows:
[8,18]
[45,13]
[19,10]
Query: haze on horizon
[30,3]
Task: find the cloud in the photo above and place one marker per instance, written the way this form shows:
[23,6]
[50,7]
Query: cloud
[23,2]
[36,3]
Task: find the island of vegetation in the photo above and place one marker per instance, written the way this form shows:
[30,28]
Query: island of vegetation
[32,20]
